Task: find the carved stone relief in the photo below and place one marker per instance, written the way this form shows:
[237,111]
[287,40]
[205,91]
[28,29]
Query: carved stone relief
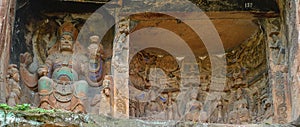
[61,71]
[60,83]
[120,69]
[103,103]
[149,72]
[246,75]
[121,47]
[13,89]
[278,71]
[247,97]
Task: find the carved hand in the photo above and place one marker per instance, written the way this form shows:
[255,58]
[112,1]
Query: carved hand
[29,79]
[43,70]
[26,58]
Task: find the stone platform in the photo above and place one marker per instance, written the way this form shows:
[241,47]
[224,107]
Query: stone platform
[58,118]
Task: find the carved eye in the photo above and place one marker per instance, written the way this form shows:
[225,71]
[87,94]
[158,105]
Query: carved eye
[70,39]
[66,38]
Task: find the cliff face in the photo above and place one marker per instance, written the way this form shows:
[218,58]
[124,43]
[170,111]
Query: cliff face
[7,12]
[246,27]
[290,15]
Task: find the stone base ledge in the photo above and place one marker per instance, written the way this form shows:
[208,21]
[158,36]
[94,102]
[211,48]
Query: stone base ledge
[11,118]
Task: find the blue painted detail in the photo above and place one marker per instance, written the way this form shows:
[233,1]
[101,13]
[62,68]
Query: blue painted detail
[163,99]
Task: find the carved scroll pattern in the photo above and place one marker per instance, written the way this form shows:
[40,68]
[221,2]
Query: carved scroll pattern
[278,71]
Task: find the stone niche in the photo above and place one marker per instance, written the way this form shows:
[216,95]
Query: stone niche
[253,44]
[36,31]
[247,95]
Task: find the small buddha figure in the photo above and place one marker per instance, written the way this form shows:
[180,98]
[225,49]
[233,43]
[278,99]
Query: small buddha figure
[267,108]
[172,108]
[217,114]
[220,114]
[203,91]
[238,78]
[244,115]
[240,113]
[133,110]
[232,117]
[13,88]
[241,104]
[193,107]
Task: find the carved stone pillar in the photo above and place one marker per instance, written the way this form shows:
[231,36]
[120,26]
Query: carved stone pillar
[293,24]
[278,71]
[120,69]
[7,14]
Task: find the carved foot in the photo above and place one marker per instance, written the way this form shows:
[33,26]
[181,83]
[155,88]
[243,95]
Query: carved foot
[79,109]
[45,105]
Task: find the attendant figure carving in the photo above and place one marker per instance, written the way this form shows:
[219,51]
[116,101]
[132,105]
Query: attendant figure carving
[279,46]
[102,103]
[172,108]
[13,88]
[240,114]
[153,107]
[106,103]
[193,107]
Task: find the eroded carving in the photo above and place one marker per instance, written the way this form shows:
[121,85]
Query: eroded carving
[246,73]
[240,113]
[154,106]
[278,73]
[102,103]
[279,47]
[120,47]
[193,107]
[64,79]
[13,87]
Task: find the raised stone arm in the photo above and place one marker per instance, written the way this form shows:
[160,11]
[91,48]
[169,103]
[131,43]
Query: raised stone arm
[30,79]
